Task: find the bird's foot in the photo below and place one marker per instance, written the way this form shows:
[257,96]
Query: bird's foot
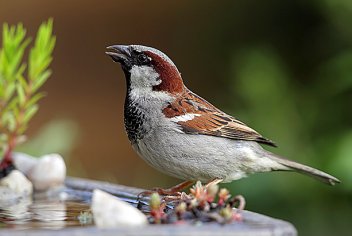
[174,197]
[171,194]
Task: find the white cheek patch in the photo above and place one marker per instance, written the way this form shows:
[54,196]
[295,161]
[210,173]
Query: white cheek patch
[144,76]
[185,117]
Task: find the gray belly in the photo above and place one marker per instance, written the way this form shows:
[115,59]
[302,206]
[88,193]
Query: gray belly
[198,157]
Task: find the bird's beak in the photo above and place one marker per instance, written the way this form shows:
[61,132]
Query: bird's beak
[119,53]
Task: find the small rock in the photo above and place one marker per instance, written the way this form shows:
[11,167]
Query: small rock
[109,211]
[17,182]
[45,172]
[50,171]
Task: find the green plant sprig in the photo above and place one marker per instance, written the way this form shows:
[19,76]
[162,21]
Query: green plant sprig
[19,95]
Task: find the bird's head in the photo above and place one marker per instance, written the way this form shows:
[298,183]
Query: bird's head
[147,68]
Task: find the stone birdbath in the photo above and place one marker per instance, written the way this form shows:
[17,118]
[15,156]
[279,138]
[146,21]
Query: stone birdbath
[68,207]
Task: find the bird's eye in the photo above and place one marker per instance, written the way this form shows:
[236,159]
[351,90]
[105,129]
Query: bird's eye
[142,58]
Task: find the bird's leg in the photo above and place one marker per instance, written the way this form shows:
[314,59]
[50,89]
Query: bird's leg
[174,191]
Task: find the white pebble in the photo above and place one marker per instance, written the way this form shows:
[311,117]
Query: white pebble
[109,211]
[17,182]
[46,172]
[49,172]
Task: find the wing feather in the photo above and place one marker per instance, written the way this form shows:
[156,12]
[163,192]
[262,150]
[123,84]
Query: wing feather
[210,120]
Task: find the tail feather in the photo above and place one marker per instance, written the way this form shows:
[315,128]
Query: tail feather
[320,175]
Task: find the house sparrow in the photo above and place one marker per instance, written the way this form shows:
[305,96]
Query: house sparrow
[181,134]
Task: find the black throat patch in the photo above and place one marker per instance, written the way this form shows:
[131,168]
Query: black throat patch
[134,119]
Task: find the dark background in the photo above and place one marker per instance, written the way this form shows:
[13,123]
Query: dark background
[282,67]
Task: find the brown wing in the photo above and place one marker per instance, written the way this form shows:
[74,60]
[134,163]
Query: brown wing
[209,120]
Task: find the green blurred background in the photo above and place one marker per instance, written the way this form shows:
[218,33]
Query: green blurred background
[282,67]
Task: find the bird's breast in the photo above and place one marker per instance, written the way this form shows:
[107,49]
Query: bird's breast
[143,112]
